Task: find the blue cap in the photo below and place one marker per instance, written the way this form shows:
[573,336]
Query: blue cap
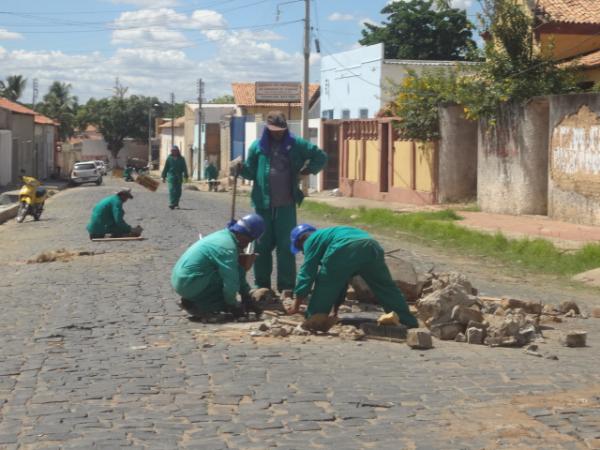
[251,225]
[296,233]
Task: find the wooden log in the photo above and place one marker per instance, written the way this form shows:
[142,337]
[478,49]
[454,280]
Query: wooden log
[131,238]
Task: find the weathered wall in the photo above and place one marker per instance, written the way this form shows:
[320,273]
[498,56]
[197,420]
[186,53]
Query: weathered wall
[574,182]
[457,156]
[512,160]
[22,133]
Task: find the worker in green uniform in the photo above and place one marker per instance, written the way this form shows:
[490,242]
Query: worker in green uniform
[210,175]
[107,217]
[274,163]
[208,276]
[175,172]
[334,255]
[128,173]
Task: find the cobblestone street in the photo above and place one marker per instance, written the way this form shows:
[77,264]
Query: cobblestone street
[96,354]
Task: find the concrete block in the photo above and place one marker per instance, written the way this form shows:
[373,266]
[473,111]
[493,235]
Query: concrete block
[8,212]
[460,337]
[419,338]
[446,331]
[464,315]
[475,336]
[526,305]
[574,339]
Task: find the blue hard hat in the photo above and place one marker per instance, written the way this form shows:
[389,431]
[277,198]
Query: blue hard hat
[296,233]
[251,225]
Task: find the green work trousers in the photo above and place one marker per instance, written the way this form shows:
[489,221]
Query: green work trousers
[365,258]
[279,223]
[174,190]
[205,295]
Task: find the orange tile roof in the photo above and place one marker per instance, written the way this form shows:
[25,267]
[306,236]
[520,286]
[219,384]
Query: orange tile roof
[572,11]
[43,120]
[244,94]
[588,61]
[179,122]
[15,107]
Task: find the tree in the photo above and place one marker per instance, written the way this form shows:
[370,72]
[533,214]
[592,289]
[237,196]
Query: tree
[418,29]
[13,88]
[60,105]
[118,118]
[223,99]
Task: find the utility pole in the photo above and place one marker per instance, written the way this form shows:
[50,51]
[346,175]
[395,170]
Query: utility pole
[173,119]
[305,99]
[200,155]
[150,109]
[35,93]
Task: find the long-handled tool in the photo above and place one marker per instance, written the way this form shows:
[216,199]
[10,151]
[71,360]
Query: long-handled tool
[235,178]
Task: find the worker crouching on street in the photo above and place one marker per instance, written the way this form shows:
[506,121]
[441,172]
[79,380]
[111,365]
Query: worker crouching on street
[107,218]
[175,173]
[275,163]
[208,276]
[334,255]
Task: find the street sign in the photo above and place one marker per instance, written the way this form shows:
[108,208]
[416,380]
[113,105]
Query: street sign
[278,92]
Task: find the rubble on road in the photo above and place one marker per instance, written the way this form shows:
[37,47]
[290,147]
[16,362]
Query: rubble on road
[574,339]
[62,255]
[419,338]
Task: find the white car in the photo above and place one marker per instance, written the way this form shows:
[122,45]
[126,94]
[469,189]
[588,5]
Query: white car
[101,165]
[86,172]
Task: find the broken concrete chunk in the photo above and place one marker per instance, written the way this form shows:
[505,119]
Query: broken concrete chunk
[464,315]
[390,318]
[460,337]
[419,338]
[405,276]
[437,306]
[475,335]
[480,325]
[319,322]
[527,306]
[574,339]
[568,305]
[446,331]
[263,327]
[442,280]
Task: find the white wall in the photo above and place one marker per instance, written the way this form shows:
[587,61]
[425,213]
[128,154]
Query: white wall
[97,149]
[5,157]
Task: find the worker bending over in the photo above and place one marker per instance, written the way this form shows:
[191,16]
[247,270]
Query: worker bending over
[334,255]
[107,217]
[208,276]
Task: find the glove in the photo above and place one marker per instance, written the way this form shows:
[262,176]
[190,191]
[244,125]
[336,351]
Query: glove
[250,305]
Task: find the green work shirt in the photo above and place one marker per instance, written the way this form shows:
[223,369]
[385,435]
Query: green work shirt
[211,172]
[318,248]
[257,167]
[212,258]
[175,169]
[107,217]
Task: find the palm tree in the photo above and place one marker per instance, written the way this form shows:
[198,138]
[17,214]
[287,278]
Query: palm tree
[13,88]
[61,105]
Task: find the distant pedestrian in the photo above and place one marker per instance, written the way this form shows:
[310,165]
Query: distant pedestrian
[334,255]
[108,217]
[175,172]
[210,175]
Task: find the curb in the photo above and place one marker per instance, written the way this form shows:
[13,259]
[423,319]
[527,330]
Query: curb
[8,212]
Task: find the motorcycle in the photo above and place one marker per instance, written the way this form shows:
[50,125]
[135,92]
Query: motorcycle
[31,199]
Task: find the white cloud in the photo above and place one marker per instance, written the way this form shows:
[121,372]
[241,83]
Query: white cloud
[6,35]
[340,17]
[150,37]
[461,4]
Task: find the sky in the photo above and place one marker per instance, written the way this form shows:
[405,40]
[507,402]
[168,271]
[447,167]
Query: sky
[156,47]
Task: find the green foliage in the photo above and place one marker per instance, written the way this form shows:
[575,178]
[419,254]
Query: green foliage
[417,30]
[223,99]
[13,87]
[512,70]
[440,230]
[118,117]
[60,105]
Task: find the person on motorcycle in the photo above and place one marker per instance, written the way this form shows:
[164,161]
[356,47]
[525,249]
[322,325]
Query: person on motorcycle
[175,172]
[208,276]
[107,218]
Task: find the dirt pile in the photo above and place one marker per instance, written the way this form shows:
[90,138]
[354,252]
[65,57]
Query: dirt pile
[61,255]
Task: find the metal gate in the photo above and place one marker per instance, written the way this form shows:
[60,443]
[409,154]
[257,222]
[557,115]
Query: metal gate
[238,137]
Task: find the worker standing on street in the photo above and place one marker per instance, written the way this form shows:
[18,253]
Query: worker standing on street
[210,174]
[334,255]
[175,172]
[107,218]
[208,276]
[275,162]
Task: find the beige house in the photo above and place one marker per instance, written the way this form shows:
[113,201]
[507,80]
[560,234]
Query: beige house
[169,136]
[245,99]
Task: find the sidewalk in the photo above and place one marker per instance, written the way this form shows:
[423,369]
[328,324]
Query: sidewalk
[9,199]
[562,234]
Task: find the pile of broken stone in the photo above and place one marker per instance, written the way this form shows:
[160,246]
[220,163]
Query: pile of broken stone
[449,308]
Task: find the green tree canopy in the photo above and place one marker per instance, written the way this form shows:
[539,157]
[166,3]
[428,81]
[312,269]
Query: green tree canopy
[420,29]
[13,87]
[61,105]
[223,99]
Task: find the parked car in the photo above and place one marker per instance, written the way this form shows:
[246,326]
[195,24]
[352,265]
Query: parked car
[86,172]
[101,165]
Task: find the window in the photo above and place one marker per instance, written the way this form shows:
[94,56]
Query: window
[363,113]
[345,113]
[327,114]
